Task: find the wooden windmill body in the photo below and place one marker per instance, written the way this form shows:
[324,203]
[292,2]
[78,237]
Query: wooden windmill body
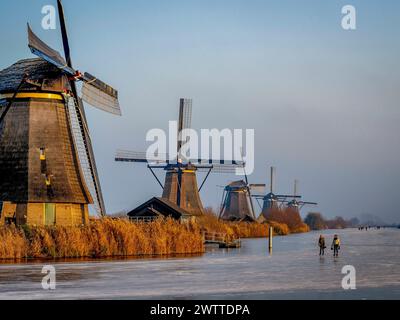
[48,173]
[39,167]
[237,204]
[181,188]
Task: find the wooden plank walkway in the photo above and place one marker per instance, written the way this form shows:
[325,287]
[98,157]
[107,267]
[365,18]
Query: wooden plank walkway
[221,239]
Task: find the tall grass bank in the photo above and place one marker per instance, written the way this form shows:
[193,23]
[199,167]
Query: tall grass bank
[101,238]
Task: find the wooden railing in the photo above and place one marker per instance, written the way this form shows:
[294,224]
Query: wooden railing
[218,238]
[143,219]
[214,237]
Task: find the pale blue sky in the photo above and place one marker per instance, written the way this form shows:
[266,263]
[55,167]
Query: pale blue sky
[323,101]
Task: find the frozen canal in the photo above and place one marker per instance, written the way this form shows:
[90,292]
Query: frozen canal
[293,271]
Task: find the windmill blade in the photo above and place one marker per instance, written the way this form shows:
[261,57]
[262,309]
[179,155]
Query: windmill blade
[271,183]
[296,182]
[99,94]
[257,187]
[185,114]
[64,33]
[94,91]
[258,202]
[248,186]
[219,162]
[164,158]
[310,203]
[140,156]
[84,151]
[108,99]
[223,201]
[286,196]
[184,122]
[258,196]
[96,192]
[42,50]
[217,168]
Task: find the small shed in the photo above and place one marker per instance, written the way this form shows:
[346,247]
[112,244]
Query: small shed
[157,207]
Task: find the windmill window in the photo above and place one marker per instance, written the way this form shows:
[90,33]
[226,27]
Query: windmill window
[48,181]
[42,154]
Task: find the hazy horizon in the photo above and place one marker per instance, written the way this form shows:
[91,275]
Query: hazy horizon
[323,101]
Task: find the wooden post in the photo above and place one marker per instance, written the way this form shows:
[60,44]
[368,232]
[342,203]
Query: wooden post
[270,238]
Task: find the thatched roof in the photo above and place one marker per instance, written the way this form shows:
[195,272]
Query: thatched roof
[36,68]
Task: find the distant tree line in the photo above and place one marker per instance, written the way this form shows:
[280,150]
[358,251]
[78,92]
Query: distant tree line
[316,221]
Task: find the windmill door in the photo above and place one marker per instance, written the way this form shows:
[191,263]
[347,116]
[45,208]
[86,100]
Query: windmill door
[50,214]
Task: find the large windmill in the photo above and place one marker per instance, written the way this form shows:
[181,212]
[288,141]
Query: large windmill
[48,172]
[180,185]
[271,200]
[295,204]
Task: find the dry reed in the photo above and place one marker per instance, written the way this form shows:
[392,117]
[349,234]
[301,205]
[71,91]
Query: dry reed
[210,223]
[120,237]
[289,217]
[101,238]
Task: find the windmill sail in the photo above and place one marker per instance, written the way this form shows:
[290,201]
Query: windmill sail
[100,95]
[42,50]
[94,91]
[258,188]
[140,156]
[85,154]
[219,168]
[186,110]
[163,158]
[185,122]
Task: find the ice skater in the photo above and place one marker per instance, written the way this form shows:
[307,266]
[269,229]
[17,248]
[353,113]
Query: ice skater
[321,244]
[335,245]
